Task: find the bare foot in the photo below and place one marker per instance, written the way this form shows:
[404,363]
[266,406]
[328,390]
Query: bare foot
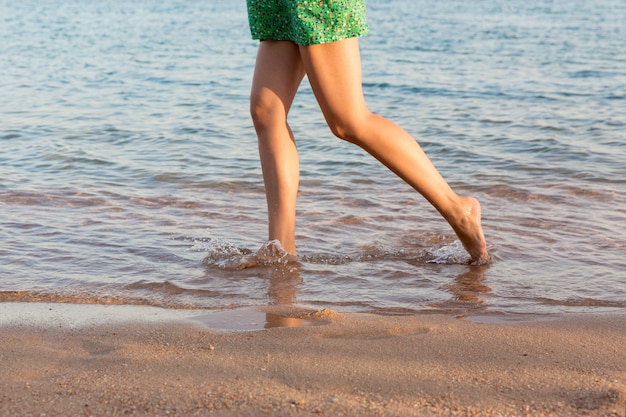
[469,231]
[270,253]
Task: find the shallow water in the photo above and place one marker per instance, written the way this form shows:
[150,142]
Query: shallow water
[129,171]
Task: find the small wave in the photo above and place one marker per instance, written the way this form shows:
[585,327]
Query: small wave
[68,298]
[583,302]
[168,288]
[162,295]
[52,198]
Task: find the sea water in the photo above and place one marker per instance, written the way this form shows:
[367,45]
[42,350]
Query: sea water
[129,171]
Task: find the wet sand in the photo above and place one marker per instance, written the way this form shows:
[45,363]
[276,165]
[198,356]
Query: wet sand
[57,360]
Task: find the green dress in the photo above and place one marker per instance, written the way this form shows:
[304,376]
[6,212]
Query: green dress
[306,22]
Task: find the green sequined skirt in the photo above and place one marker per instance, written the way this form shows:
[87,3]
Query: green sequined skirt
[306,22]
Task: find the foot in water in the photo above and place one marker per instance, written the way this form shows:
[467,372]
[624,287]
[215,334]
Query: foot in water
[470,232]
[270,253]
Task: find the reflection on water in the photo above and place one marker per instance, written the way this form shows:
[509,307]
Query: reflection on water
[247,319]
[275,320]
[283,284]
[468,293]
[468,287]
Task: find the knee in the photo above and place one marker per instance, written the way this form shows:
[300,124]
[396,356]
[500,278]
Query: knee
[260,111]
[266,111]
[350,128]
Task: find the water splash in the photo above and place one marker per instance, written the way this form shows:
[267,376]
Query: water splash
[218,249]
[225,255]
[453,253]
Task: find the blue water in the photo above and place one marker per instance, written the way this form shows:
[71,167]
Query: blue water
[129,171]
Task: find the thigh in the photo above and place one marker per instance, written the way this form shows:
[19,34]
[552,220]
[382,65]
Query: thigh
[278,73]
[334,71]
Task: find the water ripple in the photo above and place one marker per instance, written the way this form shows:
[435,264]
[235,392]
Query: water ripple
[129,171]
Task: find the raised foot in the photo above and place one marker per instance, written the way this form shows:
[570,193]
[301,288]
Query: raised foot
[470,232]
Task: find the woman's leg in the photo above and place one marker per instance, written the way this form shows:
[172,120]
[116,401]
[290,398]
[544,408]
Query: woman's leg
[334,71]
[277,75]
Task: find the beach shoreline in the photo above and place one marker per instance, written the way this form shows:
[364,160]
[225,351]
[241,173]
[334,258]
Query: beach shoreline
[308,363]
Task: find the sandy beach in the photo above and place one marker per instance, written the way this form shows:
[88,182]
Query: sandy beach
[58,360]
